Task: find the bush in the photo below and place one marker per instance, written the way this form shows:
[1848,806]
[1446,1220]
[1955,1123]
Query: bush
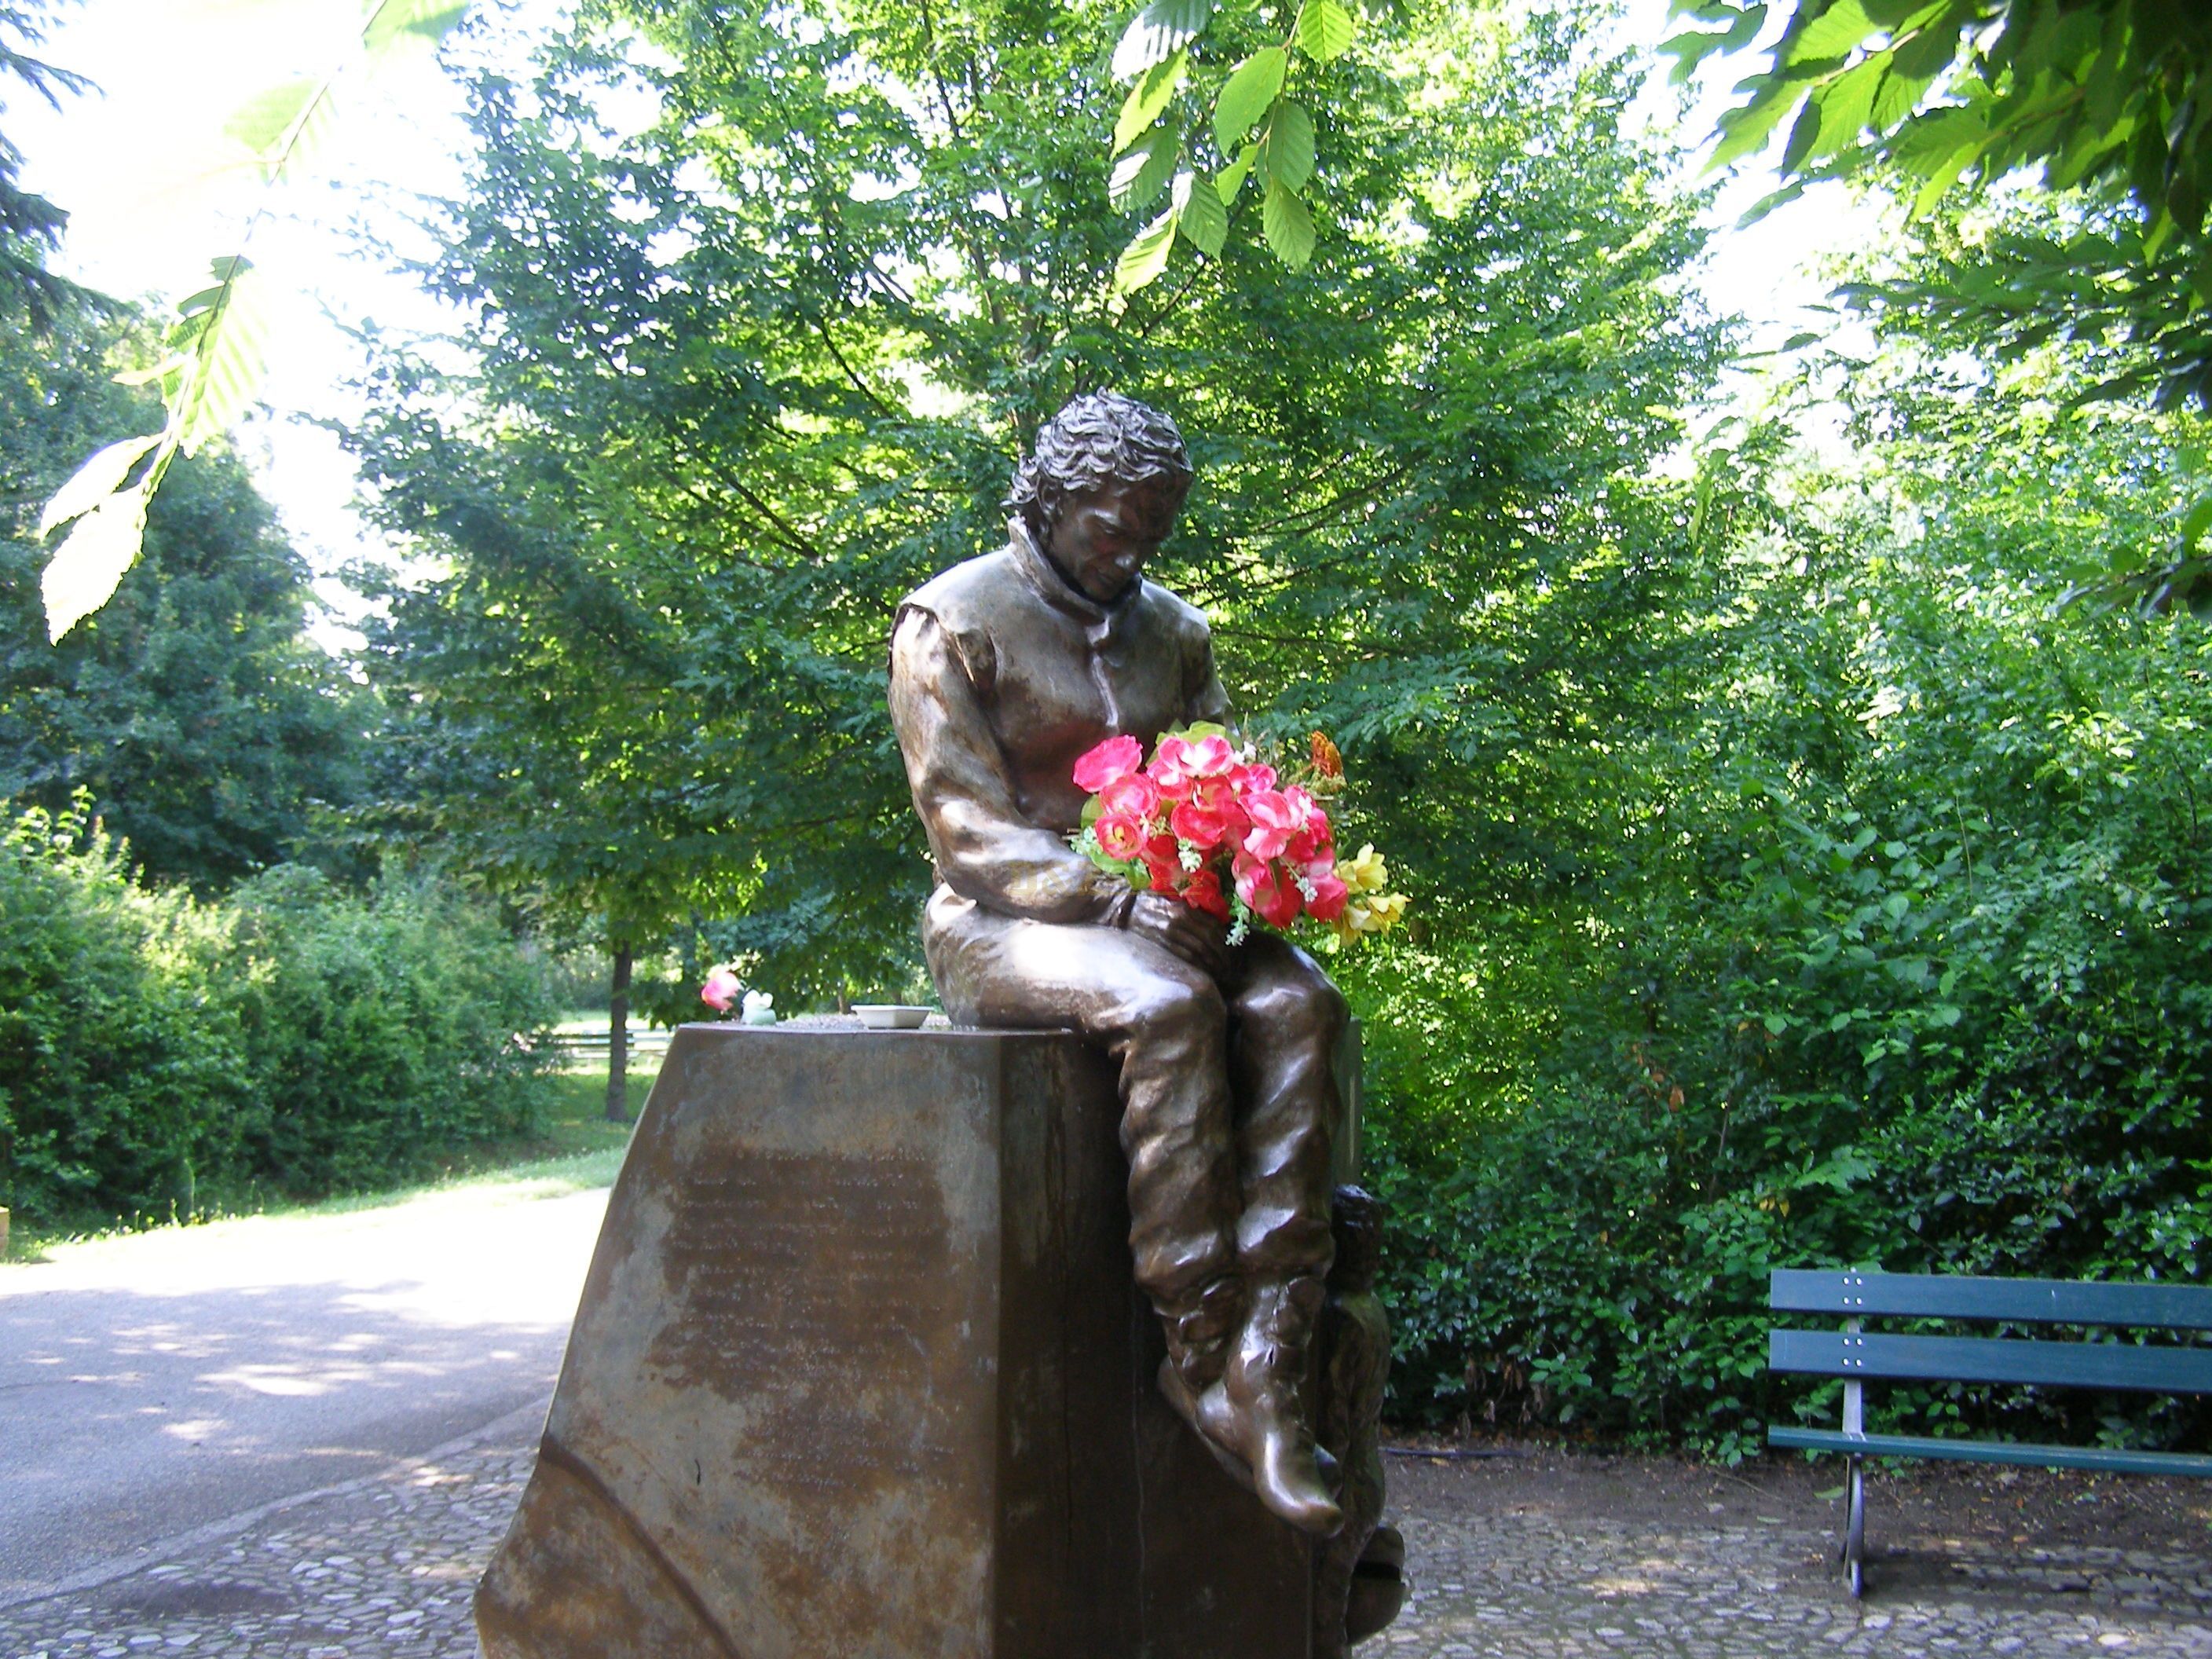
[122,1081]
[382,1031]
[1928,987]
[160,1054]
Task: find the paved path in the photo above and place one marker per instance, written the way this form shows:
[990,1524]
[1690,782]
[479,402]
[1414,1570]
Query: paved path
[327,1423]
[385,1567]
[155,1384]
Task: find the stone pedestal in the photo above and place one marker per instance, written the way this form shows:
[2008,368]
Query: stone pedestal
[859,1372]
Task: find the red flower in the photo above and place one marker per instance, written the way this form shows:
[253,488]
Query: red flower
[1330,893]
[1203,829]
[1203,890]
[1178,761]
[1162,863]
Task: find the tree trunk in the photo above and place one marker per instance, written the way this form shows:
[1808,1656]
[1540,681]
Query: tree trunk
[618,1039]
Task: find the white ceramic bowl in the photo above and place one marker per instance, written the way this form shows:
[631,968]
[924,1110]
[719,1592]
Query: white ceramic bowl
[890,1015]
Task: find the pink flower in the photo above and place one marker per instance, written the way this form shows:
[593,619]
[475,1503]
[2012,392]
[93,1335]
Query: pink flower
[1178,761]
[1120,836]
[1316,821]
[1269,895]
[721,989]
[1117,757]
[1330,895]
[1213,794]
[1274,821]
[1134,796]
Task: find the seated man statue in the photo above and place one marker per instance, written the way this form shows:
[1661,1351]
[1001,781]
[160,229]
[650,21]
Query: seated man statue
[1004,670]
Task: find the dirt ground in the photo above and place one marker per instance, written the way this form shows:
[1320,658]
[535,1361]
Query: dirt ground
[1915,1505]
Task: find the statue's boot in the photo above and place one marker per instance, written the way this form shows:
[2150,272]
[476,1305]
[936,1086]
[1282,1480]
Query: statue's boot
[1379,1587]
[1209,1412]
[1258,1413]
[1200,1327]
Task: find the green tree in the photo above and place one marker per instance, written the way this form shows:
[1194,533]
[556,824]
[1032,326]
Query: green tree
[30,225]
[208,729]
[745,376]
[2109,100]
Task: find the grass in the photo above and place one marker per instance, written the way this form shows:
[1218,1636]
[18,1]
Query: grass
[578,1150]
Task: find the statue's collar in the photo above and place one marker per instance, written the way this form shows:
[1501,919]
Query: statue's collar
[1062,594]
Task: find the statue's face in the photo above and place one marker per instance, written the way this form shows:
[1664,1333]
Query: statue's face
[1103,536]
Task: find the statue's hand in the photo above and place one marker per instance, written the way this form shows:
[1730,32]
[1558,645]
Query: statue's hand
[1197,938]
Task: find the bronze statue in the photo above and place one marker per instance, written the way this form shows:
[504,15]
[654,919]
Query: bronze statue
[1004,670]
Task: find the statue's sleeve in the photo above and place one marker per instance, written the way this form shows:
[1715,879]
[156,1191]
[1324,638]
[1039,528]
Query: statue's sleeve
[1203,696]
[985,849]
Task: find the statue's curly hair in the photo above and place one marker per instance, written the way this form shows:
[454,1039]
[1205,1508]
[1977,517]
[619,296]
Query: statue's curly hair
[1097,438]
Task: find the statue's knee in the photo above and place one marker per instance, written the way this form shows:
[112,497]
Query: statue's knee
[1300,1005]
[1177,1010]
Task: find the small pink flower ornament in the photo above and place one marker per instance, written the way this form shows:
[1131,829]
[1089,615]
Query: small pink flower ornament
[722,990]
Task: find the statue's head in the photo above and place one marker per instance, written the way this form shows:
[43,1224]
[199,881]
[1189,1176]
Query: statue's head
[1102,488]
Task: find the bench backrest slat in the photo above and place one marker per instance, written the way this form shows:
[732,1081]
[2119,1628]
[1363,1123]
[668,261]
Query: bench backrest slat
[1941,1296]
[1993,1359]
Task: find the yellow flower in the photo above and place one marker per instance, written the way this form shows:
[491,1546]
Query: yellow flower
[1377,914]
[1365,874]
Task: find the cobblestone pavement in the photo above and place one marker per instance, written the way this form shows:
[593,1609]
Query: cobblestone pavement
[385,1567]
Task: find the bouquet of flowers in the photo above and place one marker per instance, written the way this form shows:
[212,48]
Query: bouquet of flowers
[1208,822]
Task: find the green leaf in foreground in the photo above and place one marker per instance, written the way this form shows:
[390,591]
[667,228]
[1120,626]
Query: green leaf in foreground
[1200,216]
[1289,226]
[1146,257]
[1323,31]
[1142,174]
[1159,31]
[1230,179]
[1151,94]
[85,569]
[1289,142]
[1247,94]
[401,23]
[262,121]
[101,476]
[222,332]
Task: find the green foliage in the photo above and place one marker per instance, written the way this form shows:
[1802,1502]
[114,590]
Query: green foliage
[119,1087]
[761,368]
[2110,93]
[2112,99]
[1175,87]
[382,1030]
[1899,956]
[161,1054]
[30,225]
[209,731]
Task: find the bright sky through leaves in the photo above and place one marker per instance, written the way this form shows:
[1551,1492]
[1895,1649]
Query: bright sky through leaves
[154,188]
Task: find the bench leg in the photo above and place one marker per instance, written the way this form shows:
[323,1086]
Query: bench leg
[1854,1552]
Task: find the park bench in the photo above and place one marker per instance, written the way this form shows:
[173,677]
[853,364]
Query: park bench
[1857,1356]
